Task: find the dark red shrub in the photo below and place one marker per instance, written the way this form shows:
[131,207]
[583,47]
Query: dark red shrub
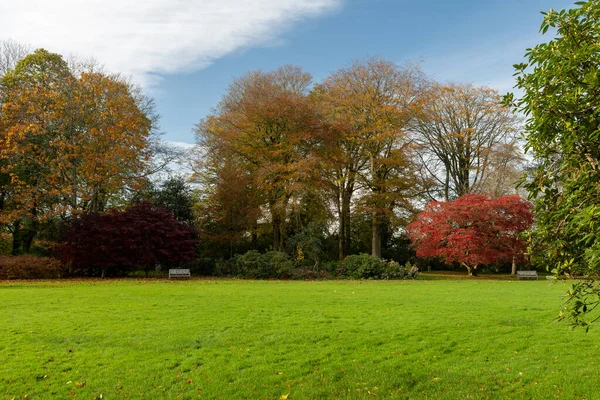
[117,242]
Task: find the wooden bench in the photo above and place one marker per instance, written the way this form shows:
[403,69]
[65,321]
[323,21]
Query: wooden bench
[179,273]
[527,275]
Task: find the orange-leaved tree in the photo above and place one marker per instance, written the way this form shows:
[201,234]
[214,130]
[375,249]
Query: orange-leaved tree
[68,141]
[266,125]
[32,96]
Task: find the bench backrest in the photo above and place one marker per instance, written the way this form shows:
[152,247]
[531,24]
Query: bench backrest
[179,272]
[527,273]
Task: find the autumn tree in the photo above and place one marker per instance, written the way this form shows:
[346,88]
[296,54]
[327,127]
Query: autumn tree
[265,125]
[117,242]
[31,97]
[109,147]
[467,139]
[473,230]
[229,206]
[560,84]
[370,105]
[507,165]
[68,142]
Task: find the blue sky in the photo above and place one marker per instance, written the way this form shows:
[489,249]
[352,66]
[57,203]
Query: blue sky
[471,41]
[185,53]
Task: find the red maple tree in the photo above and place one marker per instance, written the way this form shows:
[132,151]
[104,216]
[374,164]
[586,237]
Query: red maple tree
[472,230]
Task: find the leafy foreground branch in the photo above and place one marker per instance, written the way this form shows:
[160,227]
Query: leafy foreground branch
[561,92]
[581,305]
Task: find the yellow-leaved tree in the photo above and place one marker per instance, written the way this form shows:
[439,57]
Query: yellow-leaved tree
[370,104]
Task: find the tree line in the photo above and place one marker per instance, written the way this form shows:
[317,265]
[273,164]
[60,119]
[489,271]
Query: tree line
[370,145]
[319,170]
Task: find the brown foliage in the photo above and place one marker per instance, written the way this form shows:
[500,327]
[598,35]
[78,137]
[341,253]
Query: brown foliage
[266,128]
[67,142]
[30,267]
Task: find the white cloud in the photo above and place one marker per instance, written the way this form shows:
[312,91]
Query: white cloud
[152,37]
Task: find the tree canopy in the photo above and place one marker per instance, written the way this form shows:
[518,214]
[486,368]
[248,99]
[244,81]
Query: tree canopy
[70,141]
[467,138]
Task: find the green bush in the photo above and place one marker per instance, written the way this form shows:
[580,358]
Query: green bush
[362,266]
[279,264]
[365,266]
[224,267]
[273,264]
[393,270]
[306,246]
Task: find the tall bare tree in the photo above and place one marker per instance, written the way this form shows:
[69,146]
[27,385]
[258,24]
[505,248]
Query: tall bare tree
[11,53]
[466,135]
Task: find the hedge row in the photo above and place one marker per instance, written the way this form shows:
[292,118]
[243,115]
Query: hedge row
[30,267]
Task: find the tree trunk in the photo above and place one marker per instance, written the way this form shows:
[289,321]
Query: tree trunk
[377,220]
[31,232]
[98,202]
[376,242]
[2,197]
[16,234]
[28,239]
[447,184]
[347,233]
[344,228]
[341,234]
[514,267]
[254,234]
[276,224]
[471,270]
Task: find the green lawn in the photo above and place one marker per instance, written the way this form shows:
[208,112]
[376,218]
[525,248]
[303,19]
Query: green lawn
[446,339]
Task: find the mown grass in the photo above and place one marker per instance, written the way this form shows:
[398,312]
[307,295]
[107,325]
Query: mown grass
[228,339]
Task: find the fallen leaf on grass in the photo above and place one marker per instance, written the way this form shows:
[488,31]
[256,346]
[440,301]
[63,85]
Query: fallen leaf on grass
[80,384]
[284,396]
